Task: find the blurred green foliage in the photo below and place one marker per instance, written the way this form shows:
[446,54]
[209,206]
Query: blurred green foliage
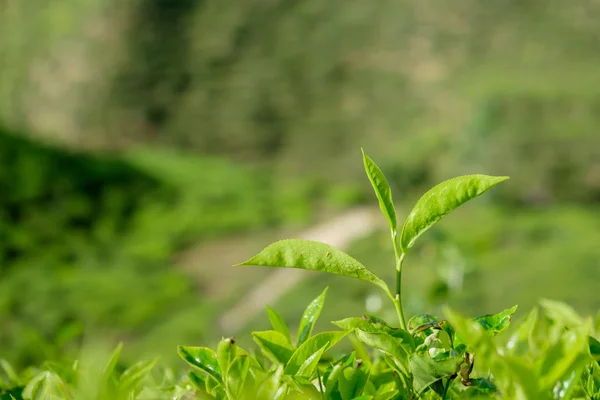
[87,240]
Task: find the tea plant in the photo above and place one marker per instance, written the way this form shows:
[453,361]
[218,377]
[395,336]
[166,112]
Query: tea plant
[427,357]
[553,354]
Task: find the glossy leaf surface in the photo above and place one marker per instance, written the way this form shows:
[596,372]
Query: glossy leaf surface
[315,256]
[441,200]
[382,190]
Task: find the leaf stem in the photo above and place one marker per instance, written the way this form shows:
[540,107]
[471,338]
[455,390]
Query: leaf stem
[398,298]
[446,387]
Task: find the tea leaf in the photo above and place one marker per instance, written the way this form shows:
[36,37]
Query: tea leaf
[382,190]
[202,358]
[352,381]
[316,256]
[396,347]
[310,347]
[561,312]
[278,323]
[226,350]
[441,200]
[421,322]
[237,373]
[274,345]
[494,324]
[309,366]
[309,317]
[427,371]
[135,374]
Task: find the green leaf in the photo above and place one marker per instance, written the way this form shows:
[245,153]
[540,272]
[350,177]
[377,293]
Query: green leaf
[392,394]
[237,374]
[278,323]
[309,317]
[332,378]
[564,356]
[274,345]
[352,381]
[202,358]
[594,346]
[382,190]
[422,322]
[310,347]
[198,380]
[226,350]
[494,324]
[309,366]
[373,325]
[441,200]
[561,313]
[396,347]
[135,374]
[522,375]
[315,256]
[427,371]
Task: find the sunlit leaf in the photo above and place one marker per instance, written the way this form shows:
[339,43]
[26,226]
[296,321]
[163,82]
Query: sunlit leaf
[226,350]
[237,374]
[561,312]
[311,255]
[309,317]
[309,366]
[494,324]
[396,347]
[278,323]
[310,347]
[421,322]
[382,190]
[274,345]
[441,200]
[202,358]
[427,371]
[135,374]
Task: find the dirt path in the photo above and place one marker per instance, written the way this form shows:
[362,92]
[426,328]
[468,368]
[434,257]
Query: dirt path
[338,232]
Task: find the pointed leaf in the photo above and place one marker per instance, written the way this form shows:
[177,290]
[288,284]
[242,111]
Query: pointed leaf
[494,324]
[274,345]
[309,317]
[202,358]
[278,323]
[310,347]
[237,374]
[382,190]
[441,200]
[561,312]
[315,256]
[135,374]
[309,366]
[226,351]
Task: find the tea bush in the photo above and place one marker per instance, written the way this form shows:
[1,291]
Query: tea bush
[553,353]
[86,240]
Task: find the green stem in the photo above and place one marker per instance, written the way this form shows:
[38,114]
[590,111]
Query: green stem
[446,387]
[398,298]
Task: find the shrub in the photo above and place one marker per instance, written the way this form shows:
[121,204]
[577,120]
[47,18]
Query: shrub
[552,354]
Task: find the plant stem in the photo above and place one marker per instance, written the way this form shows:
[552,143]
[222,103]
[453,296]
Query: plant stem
[398,298]
[446,387]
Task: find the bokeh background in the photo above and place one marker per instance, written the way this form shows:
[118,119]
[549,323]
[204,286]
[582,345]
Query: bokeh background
[147,145]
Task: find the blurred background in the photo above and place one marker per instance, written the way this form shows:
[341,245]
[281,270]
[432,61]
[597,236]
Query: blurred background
[148,145]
